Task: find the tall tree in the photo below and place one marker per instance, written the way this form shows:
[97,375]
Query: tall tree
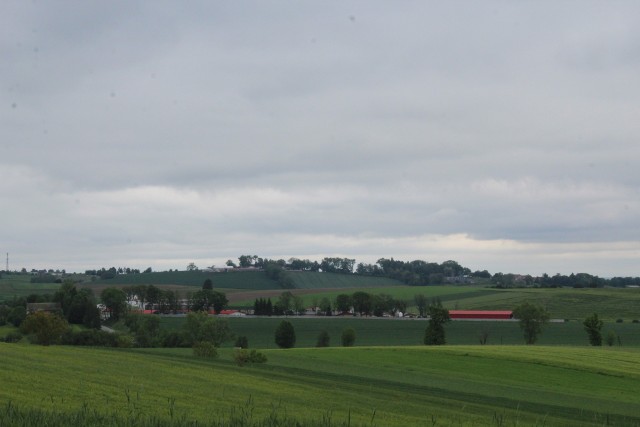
[593,326]
[422,303]
[532,319]
[438,316]
[285,335]
[343,303]
[362,303]
[116,301]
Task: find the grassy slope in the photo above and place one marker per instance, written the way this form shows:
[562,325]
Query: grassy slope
[408,386]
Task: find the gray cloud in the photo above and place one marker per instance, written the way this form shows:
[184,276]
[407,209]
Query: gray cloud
[154,134]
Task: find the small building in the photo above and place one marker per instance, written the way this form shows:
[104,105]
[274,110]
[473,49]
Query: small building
[49,307]
[480,315]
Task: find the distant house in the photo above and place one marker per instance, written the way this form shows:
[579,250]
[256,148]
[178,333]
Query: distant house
[480,315]
[234,313]
[49,307]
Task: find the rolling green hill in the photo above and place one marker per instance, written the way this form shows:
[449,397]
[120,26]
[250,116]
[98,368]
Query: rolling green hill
[410,386]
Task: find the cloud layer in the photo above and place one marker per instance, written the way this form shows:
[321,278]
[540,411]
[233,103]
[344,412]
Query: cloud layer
[504,136]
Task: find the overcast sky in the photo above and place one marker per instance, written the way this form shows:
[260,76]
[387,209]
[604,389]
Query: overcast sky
[503,135]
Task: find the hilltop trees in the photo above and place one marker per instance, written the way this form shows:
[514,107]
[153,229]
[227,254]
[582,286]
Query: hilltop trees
[532,319]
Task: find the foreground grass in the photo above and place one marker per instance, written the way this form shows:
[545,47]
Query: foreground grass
[459,385]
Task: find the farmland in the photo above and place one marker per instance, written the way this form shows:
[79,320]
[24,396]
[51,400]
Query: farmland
[451,385]
[388,378]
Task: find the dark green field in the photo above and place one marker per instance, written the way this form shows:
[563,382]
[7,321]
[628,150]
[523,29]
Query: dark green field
[395,332]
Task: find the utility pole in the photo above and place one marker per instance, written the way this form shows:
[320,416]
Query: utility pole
[7,262]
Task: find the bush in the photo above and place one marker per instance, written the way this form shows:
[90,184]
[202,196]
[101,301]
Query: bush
[619,320]
[323,339]
[635,321]
[91,337]
[12,337]
[285,335]
[244,356]
[175,339]
[46,328]
[205,349]
[611,338]
[348,337]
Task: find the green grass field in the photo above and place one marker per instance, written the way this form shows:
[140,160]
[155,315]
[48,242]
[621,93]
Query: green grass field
[409,386]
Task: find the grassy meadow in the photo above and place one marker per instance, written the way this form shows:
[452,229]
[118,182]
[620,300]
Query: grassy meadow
[382,386]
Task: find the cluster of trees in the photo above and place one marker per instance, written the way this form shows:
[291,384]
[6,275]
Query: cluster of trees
[286,305]
[573,280]
[366,304]
[163,301]
[414,273]
[79,306]
[13,312]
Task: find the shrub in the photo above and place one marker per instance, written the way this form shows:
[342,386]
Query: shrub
[124,341]
[242,342]
[285,335]
[175,339]
[47,328]
[619,320]
[90,337]
[611,338]
[205,349]
[635,321]
[348,337]
[323,339]
[244,356]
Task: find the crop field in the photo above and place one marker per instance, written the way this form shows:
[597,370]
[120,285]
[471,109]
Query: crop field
[315,280]
[20,286]
[372,386]
[396,332]
[232,280]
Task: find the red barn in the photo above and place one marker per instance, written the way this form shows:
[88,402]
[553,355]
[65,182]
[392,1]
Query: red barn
[480,315]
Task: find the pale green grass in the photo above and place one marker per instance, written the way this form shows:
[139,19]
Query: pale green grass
[456,385]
